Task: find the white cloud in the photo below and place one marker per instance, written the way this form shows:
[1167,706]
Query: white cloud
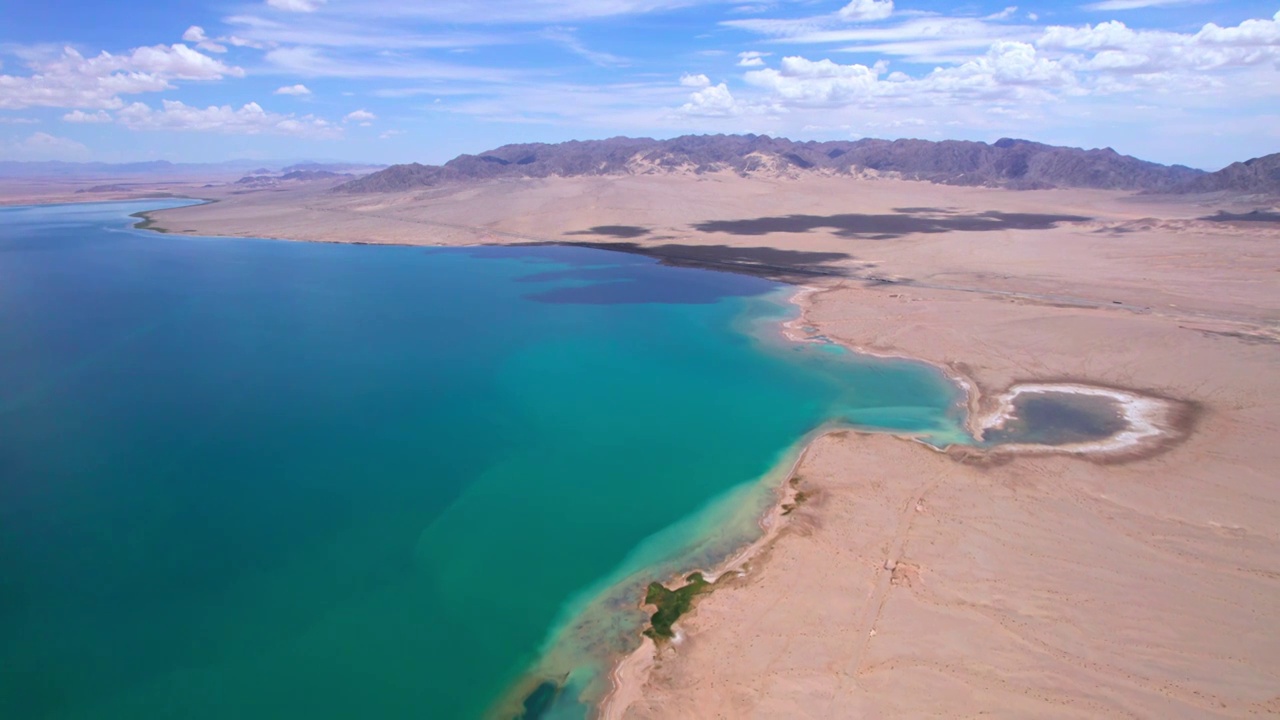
[302,6]
[1117,48]
[388,134]
[569,40]
[195,34]
[74,81]
[43,146]
[18,121]
[364,117]
[712,101]
[804,81]
[866,10]
[919,39]
[1009,71]
[293,90]
[245,42]
[80,116]
[695,81]
[177,61]
[1107,83]
[510,11]
[249,119]
[752,58]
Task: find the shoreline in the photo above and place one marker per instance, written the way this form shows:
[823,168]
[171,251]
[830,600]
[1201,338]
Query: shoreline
[793,330]
[1150,422]
[630,673]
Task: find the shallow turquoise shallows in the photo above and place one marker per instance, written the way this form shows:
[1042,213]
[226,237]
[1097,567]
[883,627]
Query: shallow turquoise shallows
[270,480]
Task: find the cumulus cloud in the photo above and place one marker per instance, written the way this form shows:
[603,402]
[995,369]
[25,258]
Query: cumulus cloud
[195,34]
[695,81]
[1063,62]
[752,58]
[43,146]
[364,117]
[250,119]
[712,101]
[1117,48]
[1009,70]
[74,81]
[866,10]
[824,82]
[80,116]
[293,90]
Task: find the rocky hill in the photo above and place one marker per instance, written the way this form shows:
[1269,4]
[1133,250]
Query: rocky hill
[1260,175]
[1018,164]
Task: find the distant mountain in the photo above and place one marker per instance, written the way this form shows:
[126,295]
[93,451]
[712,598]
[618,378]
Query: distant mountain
[262,181]
[166,169]
[1260,175]
[1018,164]
[332,167]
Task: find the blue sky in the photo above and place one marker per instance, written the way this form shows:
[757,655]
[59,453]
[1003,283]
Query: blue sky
[1186,81]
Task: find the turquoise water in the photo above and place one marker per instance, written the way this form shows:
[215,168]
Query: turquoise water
[258,479]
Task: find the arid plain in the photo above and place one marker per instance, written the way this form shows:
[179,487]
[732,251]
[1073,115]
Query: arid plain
[913,583]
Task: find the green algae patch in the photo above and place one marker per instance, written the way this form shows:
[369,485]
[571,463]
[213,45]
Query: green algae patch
[672,604]
[146,222]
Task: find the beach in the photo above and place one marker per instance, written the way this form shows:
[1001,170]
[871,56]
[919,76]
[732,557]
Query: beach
[913,582]
[916,583]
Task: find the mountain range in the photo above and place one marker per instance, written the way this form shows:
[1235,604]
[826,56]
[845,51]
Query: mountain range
[1009,163]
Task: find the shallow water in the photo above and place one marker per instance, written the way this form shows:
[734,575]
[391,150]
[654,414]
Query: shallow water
[259,479]
[1059,418]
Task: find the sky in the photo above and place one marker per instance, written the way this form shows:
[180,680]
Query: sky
[1195,82]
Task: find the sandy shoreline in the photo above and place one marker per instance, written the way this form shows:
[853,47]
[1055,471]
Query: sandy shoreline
[1148,420]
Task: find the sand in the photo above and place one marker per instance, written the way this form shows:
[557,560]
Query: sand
[914,583]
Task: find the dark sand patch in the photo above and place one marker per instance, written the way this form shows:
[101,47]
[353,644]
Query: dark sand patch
[767,262]
[887,227]
[625,232]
